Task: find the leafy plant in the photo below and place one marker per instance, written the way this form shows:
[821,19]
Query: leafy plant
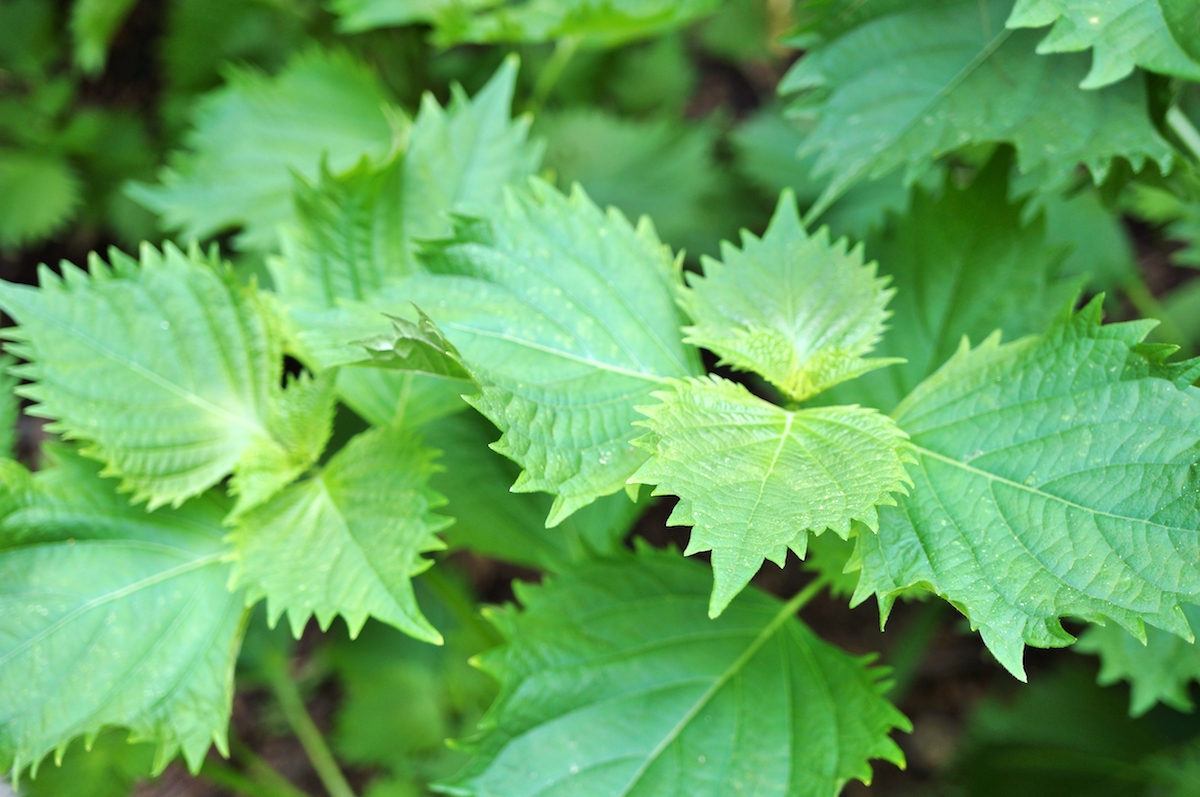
[448,328]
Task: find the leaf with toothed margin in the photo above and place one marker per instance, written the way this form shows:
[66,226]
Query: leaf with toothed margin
[614,681]
[796,309]
[170,371]
[347,541]
[417,347]
[140,597]
[754,480]
[1122,35]
[1160,669]
[565,316]
[1055,476]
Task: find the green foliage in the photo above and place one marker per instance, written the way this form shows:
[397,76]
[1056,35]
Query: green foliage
[923,79]
[38,193]
[93,24]
[675,701]
[141,598]
[1023,459]
[108,768]
[754,479]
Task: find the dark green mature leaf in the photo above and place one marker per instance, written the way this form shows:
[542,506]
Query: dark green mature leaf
[170,370]
[1100,249]
[1160,668]
[1184,24]
[1122,34]
[1055,477]
[963,263]
[922,79]
[38,194]
[491,520]
[796,309]
[347,541]
[251,136]
[141,597]
[754,479]
[565,316]
[671,702]
[94,23]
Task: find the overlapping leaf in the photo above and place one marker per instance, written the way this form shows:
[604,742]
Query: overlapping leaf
[38,194]
[1160,669]
[795,309]
[1055,477]
[251,136]
[140,597]
[1122,35]
[565,316]
[754,479]
[918,80]
[614,681]
[347,541]
[170,371]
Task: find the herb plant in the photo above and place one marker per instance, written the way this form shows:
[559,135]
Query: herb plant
[432,337]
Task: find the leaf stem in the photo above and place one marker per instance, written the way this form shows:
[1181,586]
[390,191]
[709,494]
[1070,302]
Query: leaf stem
[564,50]
[229,778]
[260,771]
[297,716]
[1182,126]
[457,602]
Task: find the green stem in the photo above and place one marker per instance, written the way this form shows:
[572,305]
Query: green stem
[229,778]
[564,50]
[804,596]
[297,716]
[1149,307]
[910,649]
[1182,126]
[260,771]
[463,608]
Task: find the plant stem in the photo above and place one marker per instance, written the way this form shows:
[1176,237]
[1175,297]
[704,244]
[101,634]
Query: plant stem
[910,650]
[1182,126]
[804,596]
[1149,307]
[260,771]
[229,778]
[464,610]
[564,49]
[297,716]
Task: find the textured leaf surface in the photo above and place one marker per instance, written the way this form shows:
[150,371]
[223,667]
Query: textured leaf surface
[170,370]
[251,136]
[672,702]
[795,309]
[141,597]
[38,194]
[1122,34]
[927,78]
[419,347]
[491,520]
[347,541]
[963,263]
[565,316]
[1162,669]
[1055,476]
[754,479]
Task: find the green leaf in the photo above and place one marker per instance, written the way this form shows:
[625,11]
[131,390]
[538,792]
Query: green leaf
[1160,669]
[795,309]
[565,316]
[38,195]
[494,522]
[10,408]
[419,347]
[1101,251]
[360,15]
[1179,214]
[94,23]
[1184,24]
[963,263]
[250,137]
[672,702]
[924,79]
[347,541]
[754,479]
[1122,35]
[140,597]
[109,767]
[596,23]
[1054,477]
[170,371]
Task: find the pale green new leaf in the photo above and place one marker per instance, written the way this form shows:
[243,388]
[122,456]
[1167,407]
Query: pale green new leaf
[924,79]
[418,347]
[250,137]
[170,372]
[1055,477]
[1122,34]
[565,316]
[754,479]
[614,681]
[348,540]
[796,309]
[1162,668]
[963,262]
[38,194]
[140,597]
[94,23]
[492,521]
[360,15]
